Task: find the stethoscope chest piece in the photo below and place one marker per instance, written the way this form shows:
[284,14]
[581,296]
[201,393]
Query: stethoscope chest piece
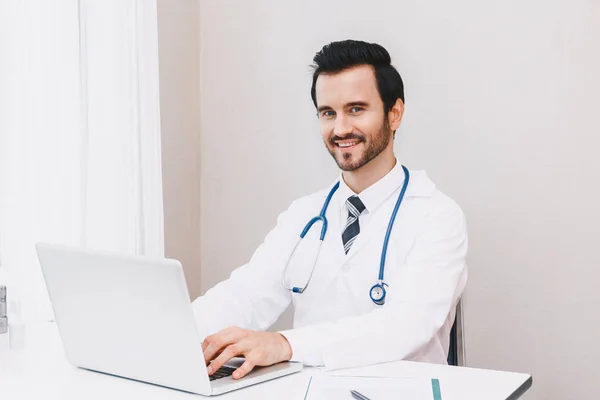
[378,293]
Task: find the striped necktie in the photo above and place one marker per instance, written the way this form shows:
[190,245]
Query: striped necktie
[352,228]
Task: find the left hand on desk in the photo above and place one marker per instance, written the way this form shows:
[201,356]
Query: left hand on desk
[259,348]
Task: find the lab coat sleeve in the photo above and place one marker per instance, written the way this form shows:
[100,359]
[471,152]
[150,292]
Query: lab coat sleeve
[252,297]
[419,299]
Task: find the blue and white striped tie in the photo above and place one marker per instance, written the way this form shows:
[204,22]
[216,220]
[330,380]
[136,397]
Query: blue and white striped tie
[352,228]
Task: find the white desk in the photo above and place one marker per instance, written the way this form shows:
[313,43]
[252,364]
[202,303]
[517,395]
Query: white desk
[40,371]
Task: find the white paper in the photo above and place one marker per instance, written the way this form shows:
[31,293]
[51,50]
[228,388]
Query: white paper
[323,387]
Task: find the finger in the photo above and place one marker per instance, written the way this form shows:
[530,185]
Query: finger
[243,370]
[220,340]
[205,346]
[218,353]
[227,354]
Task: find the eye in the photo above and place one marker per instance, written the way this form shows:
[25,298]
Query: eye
[328,114]
[355,110]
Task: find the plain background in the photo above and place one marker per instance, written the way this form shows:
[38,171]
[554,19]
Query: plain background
[501,111]
[179,76]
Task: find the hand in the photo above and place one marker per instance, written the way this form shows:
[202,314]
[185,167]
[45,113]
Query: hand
[259,348]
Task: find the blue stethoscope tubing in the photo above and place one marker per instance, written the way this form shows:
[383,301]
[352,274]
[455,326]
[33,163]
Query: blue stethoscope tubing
[378,291]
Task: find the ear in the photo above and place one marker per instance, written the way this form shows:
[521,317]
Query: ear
[395,115]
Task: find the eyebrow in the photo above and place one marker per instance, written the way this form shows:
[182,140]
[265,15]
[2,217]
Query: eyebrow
[357,103]
[351,104]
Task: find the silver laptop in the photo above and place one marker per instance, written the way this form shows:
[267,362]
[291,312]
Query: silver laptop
[131,316]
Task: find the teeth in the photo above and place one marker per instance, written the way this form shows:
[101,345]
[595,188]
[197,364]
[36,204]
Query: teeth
[347,144]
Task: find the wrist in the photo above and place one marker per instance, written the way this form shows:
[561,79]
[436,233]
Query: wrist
[286,348]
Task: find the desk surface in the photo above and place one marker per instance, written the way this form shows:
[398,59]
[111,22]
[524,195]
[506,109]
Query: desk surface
[40,370]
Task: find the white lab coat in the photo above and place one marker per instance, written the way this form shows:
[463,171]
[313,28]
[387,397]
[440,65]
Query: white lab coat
[335,322]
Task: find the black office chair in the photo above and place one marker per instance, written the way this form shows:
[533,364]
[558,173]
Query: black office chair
[456,350]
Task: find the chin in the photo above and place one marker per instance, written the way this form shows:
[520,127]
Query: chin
[348,166]
[347,162]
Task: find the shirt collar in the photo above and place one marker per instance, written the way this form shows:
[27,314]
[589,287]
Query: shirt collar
[373,196]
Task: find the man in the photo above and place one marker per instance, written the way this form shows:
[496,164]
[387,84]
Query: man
[359,97]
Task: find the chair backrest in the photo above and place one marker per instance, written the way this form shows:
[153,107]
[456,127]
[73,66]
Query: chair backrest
[456,350]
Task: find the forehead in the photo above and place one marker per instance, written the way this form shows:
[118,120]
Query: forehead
[354,84]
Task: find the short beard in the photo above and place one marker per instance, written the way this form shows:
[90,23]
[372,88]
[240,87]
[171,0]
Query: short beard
[379,143]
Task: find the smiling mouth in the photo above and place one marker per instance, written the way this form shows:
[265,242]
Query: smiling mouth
[347,144]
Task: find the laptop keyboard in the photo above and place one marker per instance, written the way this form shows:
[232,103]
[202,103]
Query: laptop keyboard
[222,373]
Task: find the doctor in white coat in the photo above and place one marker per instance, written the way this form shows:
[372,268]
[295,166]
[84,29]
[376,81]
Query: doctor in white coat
[340,317]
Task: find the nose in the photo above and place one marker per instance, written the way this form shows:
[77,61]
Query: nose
[342,126]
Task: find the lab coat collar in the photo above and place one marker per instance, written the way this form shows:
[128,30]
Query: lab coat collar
[372,197]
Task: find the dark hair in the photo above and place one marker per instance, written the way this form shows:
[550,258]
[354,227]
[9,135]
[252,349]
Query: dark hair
[338,56]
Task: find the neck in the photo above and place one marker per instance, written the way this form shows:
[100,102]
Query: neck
[370,173]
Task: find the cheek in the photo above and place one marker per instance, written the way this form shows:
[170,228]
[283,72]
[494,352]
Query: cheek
[368,126]
[326,129]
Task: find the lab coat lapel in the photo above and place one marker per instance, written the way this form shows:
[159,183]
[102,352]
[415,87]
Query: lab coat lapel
[331,256]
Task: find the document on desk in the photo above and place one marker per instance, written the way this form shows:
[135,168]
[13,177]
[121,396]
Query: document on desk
[327,387]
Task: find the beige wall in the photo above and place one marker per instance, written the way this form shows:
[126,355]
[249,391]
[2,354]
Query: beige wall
[501,110]
[178,34]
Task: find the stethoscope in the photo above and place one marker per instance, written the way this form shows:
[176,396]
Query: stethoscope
[377,292]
